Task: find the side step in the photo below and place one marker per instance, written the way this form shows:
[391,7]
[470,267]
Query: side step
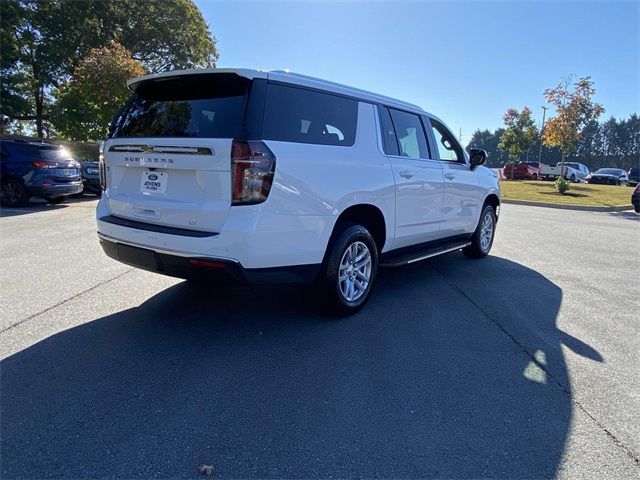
[405,258]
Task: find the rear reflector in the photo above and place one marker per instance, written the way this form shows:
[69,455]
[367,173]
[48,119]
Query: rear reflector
[203,262]
[252,169]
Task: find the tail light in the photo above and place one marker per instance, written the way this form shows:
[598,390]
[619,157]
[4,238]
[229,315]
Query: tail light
[39,164]
[252,169]
[102,171]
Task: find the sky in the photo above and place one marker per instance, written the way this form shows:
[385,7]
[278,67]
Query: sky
[464,61]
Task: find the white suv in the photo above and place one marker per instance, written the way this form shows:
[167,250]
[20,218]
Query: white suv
[274,177]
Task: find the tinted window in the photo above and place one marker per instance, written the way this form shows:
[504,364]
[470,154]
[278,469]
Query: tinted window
[389,140]
[54,153]
[411,139]
[203,106]
[448,148]
[609,171]
[304,116]
[22,151]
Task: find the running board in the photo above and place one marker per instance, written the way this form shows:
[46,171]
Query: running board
[406,258]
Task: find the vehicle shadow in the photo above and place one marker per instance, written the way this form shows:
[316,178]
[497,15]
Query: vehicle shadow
[37,205]
[258,383]
[627,214]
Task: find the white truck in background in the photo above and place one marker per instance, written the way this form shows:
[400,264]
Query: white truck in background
[573,171]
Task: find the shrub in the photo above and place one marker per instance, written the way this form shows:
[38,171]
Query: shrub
[562,185]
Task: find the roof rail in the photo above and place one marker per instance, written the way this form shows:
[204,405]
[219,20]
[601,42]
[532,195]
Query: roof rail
[341,85]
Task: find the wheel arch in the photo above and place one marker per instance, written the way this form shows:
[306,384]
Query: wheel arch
[365,214]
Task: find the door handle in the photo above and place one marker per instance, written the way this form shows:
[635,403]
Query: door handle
[450,176]
[406,173]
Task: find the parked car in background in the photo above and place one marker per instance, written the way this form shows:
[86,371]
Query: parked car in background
[635,198]
[634,175]
[523,170]
[272,177]
[573,171]
[36,169]
[609,176]
[91,178]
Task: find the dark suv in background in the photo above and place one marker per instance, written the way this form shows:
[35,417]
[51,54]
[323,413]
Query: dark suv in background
[91,178]
[35,169]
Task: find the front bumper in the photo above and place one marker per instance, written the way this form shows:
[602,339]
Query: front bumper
[219,270]
[597,181]
[55,190]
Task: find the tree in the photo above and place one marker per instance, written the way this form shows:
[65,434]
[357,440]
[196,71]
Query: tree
[519,134]
[574,109]
[488,140]
[44,40]
[590,141]
[87,103]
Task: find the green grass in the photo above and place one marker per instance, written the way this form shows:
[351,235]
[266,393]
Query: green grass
[578,194]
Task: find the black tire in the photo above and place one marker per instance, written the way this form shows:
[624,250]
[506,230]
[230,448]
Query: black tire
[357,239]
[55,200]
[13,193]
[479,248]
[534,177]
[573,179]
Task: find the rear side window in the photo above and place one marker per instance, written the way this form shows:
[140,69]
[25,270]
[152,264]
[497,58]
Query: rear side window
[200,106]
[304,116]
[22,151]
[411,138]
[389,140]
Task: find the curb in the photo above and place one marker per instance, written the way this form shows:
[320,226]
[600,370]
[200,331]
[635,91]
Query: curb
[586,208]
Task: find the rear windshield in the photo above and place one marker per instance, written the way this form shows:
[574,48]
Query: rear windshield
[54,153]
[23,151]
[199,106]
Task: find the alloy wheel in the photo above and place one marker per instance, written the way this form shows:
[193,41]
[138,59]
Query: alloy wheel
[354,273]
[11,193]
[486,231]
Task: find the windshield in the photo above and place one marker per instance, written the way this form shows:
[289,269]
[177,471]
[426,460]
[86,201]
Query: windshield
[608,171]
[202,106]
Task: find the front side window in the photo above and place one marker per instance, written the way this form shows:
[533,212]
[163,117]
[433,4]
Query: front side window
[305,116]
[448,147]
[412,142]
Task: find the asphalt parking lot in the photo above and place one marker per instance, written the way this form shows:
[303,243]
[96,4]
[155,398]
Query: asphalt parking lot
[521,365]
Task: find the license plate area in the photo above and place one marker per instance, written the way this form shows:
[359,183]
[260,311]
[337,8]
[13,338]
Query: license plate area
[153,182]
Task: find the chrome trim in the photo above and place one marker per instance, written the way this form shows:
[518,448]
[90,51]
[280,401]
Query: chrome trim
[144,148]
[441,252]
[166,251]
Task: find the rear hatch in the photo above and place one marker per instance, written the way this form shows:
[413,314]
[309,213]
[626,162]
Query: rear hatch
[168,156]
[58,164]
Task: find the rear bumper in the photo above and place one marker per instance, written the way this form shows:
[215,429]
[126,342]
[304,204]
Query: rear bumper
[92,184]
[216,269]
[55,190]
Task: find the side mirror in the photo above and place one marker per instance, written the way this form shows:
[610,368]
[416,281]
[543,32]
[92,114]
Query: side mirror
[477,157]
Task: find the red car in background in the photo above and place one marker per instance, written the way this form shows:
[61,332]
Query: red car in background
[523,170]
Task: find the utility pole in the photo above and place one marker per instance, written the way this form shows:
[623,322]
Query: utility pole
[544,113]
